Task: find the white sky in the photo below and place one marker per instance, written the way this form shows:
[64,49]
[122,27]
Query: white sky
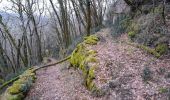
[4,4]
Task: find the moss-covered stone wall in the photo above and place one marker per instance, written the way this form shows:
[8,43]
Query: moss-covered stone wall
[20,87]
[84,59]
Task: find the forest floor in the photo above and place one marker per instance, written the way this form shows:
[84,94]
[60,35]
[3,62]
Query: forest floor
[121,71]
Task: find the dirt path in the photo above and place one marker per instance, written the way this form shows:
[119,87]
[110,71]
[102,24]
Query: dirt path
[57,83]
[120,70]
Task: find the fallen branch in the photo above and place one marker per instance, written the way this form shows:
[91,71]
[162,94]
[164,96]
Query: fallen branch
[55,63]
[48,65]
[8,82]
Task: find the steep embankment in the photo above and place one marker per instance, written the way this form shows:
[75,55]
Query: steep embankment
[123,72]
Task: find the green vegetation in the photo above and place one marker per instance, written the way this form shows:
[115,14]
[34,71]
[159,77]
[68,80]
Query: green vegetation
[161,48]
[131,34]
[150,50]
[16,88]
[85,60]
[92,40]
[163,90]
[21,86]
[157,52]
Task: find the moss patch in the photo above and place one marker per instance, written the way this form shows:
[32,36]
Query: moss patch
[163,90]
[19,96]
[150,50]
[162,48]
[92,40]
[20,87]
[157,52]
[131,34]
[85,60]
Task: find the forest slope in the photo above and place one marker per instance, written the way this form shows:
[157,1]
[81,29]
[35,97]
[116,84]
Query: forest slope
[125,72]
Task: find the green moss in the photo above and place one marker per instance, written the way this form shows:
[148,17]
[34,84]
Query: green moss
[91,74]
[88,83]
[131,34]
[15,88]
[92,52]
[163,90]
[162,48]
[82,58]
[19,96]
[20,81]
[78,55]
[92,40]
[91,59]
[150,50]
[20,86]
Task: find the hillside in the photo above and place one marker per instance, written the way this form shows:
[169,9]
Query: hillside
[85,50]
[121,73]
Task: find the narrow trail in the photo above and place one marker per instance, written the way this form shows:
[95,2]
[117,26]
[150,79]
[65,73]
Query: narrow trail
[57,83]
[121,66]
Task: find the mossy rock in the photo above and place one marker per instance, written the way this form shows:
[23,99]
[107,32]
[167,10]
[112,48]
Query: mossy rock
[162,48]
[78,55]
[17,90]
[92,40]
[19,96]
[85,60]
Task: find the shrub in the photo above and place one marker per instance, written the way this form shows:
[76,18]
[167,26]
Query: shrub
[162,48]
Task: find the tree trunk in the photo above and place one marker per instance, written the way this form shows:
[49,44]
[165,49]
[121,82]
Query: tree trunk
[88,17]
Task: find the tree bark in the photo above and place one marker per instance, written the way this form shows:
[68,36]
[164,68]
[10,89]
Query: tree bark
[88,17]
